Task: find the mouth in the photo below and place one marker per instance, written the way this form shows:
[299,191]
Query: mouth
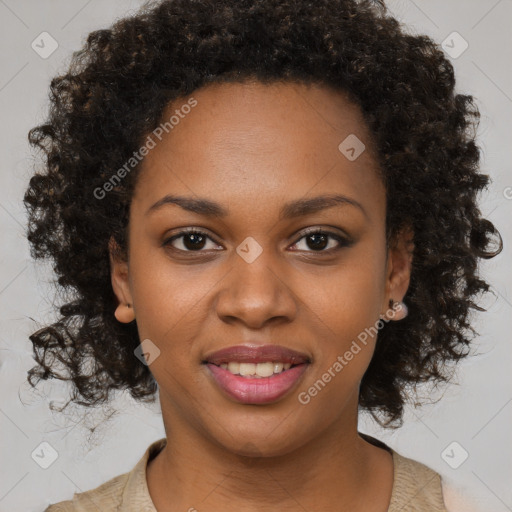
[256,374]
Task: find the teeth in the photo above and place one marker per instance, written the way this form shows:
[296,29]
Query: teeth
[234,367]
[247,369]
[264,369]
[256,370]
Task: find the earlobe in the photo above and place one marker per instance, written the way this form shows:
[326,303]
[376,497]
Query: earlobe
[124,312]
[398,310]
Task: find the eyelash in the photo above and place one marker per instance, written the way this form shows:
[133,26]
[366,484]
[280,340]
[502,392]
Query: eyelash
[342,241]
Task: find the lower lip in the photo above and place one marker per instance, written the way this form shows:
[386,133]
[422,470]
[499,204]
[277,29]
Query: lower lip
[247,390]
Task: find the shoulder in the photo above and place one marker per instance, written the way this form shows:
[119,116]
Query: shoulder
[126,492]
[107,496]
[416,487]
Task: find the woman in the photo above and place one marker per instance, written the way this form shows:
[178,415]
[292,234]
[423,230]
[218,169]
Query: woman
[268,212]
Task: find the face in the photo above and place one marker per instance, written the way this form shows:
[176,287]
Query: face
[249,162]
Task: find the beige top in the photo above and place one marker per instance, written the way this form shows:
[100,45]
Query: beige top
[416,488]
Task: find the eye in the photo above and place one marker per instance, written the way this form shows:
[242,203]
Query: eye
[317,239]
[193,240]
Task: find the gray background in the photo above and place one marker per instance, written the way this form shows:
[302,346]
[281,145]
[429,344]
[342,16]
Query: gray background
[475,412]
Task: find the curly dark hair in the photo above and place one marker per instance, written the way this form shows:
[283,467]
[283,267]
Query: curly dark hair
[114,94]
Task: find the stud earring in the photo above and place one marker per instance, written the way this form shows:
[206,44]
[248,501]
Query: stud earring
[399,310]
[128,305]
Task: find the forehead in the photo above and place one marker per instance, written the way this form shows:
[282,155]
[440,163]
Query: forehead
[242,142]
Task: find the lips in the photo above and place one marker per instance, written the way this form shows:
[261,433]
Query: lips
[253,389]
[257,354]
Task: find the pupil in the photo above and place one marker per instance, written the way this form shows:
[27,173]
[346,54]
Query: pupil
[193,236]
[315,237]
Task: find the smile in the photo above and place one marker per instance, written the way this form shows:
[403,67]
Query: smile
[256,374]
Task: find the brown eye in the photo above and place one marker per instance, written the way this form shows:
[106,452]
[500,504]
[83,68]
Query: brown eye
[322,241]
[191,241]
[317,241]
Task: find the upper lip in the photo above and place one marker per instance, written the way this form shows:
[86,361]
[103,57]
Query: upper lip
[256,354]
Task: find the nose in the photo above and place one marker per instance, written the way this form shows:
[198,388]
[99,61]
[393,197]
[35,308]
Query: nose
[257,293]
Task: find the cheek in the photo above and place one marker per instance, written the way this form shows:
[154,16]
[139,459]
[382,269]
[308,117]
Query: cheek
[346,307]
[169,298]
[349,298]
[170,312]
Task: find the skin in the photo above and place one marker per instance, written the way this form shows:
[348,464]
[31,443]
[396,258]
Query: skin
[251,148]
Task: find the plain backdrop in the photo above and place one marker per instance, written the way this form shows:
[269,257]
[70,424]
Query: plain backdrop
[472,421]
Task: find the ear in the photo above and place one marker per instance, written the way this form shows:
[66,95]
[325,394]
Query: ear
[399,265]
[119,276]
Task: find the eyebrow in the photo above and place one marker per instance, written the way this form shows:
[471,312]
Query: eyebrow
[297,208]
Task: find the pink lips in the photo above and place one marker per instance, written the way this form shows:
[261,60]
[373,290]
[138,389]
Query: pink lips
[263,390]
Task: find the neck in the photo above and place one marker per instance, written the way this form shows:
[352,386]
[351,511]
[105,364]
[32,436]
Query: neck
[333,471]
